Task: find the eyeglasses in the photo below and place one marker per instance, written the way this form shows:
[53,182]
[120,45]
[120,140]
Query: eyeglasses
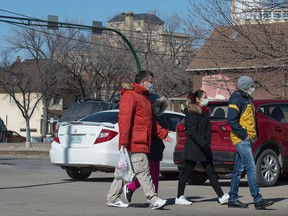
[205,97]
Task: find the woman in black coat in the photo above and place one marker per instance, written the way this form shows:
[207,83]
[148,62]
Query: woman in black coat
[197,146]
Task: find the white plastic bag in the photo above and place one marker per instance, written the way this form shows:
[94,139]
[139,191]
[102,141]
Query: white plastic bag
[123,169]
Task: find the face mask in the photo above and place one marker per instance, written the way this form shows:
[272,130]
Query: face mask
[204,102]
[149,86]
[251,90]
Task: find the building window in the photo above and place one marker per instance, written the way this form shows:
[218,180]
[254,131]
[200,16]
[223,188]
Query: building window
[78,98]
[285,14]
[57,99]
[10,99]
[277,15]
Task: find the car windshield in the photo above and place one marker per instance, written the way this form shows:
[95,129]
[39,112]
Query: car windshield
[111,117]
[79,110]
[218,110]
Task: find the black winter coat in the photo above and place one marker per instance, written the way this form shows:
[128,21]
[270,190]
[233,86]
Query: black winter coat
[198,135]
[157,147]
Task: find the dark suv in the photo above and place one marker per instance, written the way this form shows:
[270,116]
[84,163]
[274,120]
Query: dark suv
[84,108]
[270,150]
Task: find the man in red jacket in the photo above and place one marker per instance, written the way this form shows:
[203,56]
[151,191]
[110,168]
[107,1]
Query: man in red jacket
[136,125]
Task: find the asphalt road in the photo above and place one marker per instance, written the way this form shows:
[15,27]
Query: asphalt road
[31,186]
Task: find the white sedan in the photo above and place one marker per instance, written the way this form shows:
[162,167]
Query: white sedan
[91,144]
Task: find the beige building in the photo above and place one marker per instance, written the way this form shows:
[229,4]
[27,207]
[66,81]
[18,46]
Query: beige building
[148,27]
[11,114]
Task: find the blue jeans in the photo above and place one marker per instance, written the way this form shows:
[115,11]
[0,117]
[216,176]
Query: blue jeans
[244,160]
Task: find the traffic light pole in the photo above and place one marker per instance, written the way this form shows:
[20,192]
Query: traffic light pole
[56,25]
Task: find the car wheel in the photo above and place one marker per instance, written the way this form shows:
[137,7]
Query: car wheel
[173,175]
[267,168]
[197,178]
[78,173]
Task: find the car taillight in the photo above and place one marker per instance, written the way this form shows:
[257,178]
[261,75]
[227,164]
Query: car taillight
[180,127]
[225,128]
[56,137]
[105,135]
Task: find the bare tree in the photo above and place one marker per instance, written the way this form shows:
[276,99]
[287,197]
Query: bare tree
[166,53]
[16,81]
[47,50]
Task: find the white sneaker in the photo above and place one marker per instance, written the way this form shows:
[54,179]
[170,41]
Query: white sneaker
[182,200]
[224,199]
[158,204]
[118,204]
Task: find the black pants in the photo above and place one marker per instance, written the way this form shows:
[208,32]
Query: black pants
[188,169]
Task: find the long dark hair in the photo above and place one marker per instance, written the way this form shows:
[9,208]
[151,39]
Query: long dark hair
[191,98]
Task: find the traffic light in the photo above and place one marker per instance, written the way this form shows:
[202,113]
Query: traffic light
[97,27]
[52,22]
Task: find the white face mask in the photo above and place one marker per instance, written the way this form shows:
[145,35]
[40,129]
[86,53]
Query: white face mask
[204,102]
[149,86]
[251,91]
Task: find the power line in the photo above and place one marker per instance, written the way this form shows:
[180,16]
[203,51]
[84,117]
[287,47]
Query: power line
[93,43]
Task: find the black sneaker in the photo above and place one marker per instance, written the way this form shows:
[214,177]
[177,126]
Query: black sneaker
[127,193]
[237,204]
[262,204]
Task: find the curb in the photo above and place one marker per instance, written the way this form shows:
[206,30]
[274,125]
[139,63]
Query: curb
[41,152]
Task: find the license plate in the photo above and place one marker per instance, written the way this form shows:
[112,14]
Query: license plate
[75,139]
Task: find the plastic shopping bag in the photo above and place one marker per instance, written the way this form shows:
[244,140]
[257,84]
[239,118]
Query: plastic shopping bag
[123,169]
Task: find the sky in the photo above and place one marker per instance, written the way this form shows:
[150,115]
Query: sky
[85,11]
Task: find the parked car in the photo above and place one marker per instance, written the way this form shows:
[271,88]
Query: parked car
[12,137]
[91,144]
[83,108]
[270,150]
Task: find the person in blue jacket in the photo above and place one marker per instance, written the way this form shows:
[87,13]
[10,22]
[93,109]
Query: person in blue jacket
[241,118]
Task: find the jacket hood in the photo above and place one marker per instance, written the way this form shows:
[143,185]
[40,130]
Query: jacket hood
[243,94]
[134,87]
[159,106]
[127,86]
[194,108]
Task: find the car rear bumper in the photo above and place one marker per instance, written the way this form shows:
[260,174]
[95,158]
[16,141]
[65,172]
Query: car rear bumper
[221,166]
[98,156]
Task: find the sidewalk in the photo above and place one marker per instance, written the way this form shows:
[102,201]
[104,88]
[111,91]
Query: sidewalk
[37,150]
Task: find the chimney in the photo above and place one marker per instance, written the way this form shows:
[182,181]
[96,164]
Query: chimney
[129,18]
[18,60]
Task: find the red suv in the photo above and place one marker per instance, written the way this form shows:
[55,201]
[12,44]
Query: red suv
[270,150]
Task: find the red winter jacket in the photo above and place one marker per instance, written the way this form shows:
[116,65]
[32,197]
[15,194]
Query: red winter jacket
[136,121]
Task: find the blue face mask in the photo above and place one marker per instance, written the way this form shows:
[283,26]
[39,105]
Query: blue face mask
[204,102]
[149,86]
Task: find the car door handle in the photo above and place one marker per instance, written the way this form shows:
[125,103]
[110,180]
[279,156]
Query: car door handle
[278,129]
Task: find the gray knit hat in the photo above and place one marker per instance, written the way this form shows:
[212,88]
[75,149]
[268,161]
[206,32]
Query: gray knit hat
[245,82]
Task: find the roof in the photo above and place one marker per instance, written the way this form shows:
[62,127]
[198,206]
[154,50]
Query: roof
[148,18]
[249,46]
[37,69]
